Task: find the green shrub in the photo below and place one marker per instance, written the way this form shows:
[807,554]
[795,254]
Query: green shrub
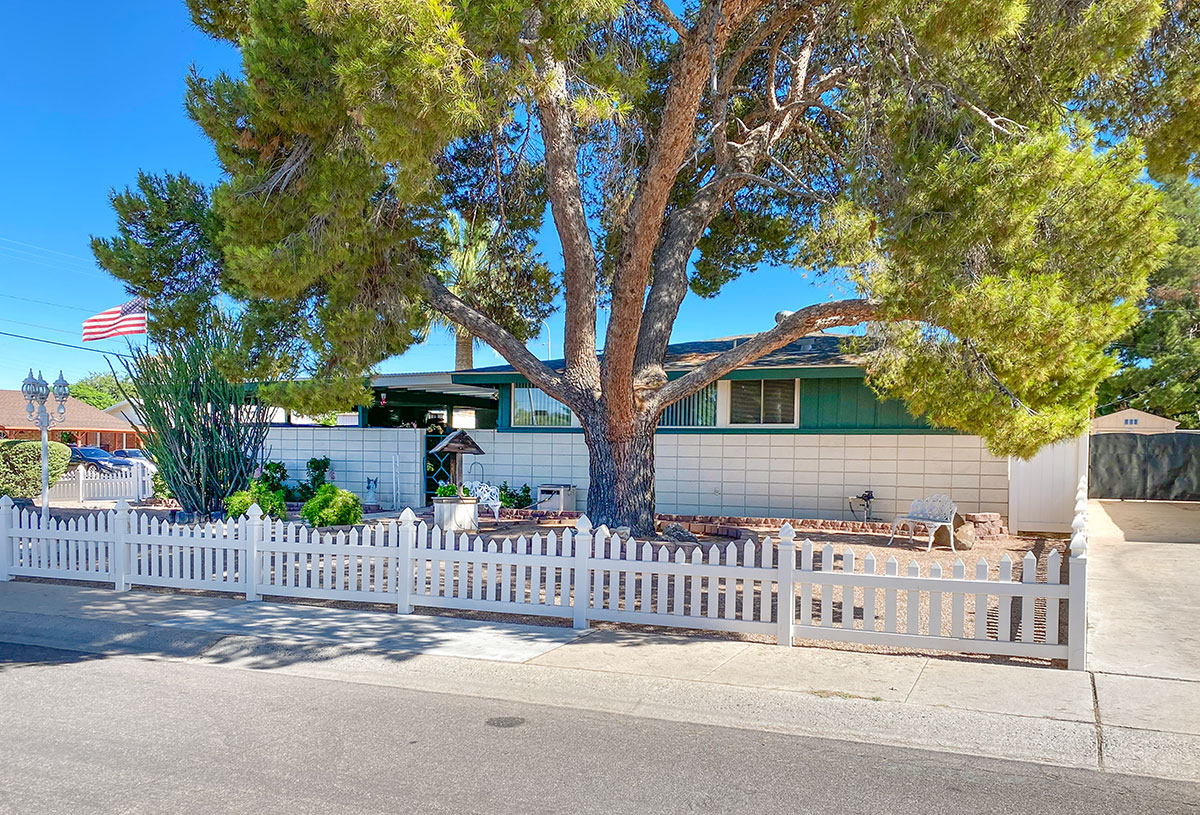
[21,466]
[332,506]
[447,490]
[273,474]
[268,500]
[518,499]
[162,490]
[317,469]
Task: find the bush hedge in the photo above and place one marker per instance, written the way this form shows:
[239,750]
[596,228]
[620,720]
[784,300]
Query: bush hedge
[332,506]
[269,501]
[21,466]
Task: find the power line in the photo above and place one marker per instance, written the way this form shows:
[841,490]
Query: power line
[45,249]
[49,263]
[64,344]
[47,303]
[37,325]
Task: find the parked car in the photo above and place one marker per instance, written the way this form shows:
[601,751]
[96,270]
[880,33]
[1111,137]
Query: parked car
[93,459]
[137,456]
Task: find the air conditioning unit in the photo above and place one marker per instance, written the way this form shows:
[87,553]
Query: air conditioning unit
[556,497]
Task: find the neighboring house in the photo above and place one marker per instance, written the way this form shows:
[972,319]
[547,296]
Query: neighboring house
[83,423]
[123,410]
[1131,420]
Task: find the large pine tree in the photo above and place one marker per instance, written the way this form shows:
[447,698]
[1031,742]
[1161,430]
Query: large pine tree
[1160,355]
[974,169]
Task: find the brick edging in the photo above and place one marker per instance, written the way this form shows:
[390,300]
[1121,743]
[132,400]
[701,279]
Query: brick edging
[988,525]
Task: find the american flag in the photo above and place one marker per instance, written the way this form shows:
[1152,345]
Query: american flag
[127,318]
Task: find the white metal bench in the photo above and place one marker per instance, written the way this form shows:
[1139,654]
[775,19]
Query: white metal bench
[934,511]
[488,495]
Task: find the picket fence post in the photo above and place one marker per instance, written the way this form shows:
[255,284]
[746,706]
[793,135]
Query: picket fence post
[120,555]
[79,481]
[255,537]
[6,547]
[786,586]
[404,560]
[581,576]
[1077,590]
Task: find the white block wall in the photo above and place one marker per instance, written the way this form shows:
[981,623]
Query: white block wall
[771,475]
[356,454]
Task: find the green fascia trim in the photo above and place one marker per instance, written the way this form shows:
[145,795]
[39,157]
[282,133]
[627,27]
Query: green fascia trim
[813,372]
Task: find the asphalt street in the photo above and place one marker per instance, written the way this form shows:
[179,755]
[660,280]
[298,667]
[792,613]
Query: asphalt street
[85,733]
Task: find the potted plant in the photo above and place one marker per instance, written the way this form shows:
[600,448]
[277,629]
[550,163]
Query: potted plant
[455,509]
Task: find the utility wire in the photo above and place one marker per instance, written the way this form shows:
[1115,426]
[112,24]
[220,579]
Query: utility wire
[63,344]
[47,303]
[45,249]
[37,325]
[49,263]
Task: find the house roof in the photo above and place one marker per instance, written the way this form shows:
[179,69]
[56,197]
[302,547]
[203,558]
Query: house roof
[811,350]
[79,416]
[1116,420]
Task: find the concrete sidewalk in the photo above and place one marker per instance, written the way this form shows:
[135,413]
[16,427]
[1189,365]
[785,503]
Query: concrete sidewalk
[962,705]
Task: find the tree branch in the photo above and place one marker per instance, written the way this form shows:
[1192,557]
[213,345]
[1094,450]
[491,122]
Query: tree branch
[480,325]
[566,207]
[791,328]
[668,17]
[689,75]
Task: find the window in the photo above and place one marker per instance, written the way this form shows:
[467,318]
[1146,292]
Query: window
[697,410]
[533,408]
[762,401]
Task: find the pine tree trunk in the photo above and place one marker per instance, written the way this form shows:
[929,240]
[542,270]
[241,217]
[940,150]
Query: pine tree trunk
[621,473]
[464,349]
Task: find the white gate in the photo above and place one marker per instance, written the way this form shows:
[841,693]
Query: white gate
[78,485]
[1041,491]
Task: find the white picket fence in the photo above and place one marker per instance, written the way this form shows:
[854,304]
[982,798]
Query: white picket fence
[80,486]
[583,574]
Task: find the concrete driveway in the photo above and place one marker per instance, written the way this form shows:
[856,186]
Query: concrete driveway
[1144,588]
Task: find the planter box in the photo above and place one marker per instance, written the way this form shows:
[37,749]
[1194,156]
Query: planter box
[455,514]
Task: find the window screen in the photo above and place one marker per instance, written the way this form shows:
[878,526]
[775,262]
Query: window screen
[762,401]
[697,410]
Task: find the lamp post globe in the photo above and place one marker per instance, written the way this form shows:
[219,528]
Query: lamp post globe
[61,390]
[36,391]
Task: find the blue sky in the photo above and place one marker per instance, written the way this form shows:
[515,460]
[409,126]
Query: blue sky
[92,92]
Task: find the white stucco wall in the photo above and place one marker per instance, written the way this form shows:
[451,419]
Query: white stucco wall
[356,454]
[772,475]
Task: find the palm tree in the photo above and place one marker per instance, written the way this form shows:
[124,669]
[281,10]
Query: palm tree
[506,282]
[464,269]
